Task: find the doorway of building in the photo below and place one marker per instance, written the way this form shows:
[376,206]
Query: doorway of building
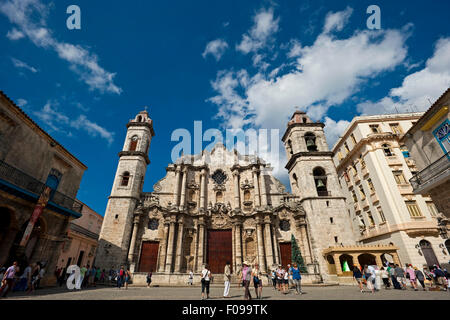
[447,245]
[149,256]
[367,259]
[428,253]
[219,249]
[286,253]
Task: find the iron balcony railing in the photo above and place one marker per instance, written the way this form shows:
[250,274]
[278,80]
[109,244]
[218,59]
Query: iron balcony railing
[431,172]
[27,182]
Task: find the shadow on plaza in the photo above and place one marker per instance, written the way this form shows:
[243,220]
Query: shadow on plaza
[47,291]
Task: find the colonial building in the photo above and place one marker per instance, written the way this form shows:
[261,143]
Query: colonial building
[82,240]
[220,206]
[374,169]
[429,143]
[30,161]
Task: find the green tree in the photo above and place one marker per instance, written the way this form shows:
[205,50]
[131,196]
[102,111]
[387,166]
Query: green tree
[296,255]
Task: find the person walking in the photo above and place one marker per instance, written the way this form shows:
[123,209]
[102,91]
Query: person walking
[206,278]
[8,279]
[41,275]
[368,276]
[411,275]
[285,280]
[279,278]
[227,279]
[257,280]
[120,277]
[400,275]
[191,278]
[111,275]
[149,278]
[274,279]
[127,278]
[83,271]
[385,278]
[290,282]
[377,279]
[25,279]
[357,275]
[246,279]
[34,277]
[420,277]
[297,278]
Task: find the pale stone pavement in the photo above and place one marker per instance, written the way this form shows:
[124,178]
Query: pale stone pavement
[194,293]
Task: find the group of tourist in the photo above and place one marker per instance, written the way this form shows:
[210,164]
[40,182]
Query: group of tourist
[394,276]
[282,278]
[13,279]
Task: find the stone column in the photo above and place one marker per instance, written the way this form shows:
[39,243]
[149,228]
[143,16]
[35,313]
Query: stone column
[136,220]
[179,251]
[269,249]
[263,188]
[260,243]
[275,247]
[355,260]
[183,189]
[238,242]
[337,263]
[233,247]
[237,200]
[162,261]
[201,245]
[396,258]
[378,259]
[203,189]
[256,183]
[194,268]
[176,198]
[169,258]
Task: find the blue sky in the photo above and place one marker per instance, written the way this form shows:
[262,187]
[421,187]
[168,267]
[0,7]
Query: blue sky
[226,63]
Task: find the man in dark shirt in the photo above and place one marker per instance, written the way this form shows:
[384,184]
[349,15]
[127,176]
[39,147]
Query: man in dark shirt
[358,277]
[400,274]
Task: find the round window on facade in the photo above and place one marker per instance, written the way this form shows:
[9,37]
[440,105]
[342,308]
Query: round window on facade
[153,224]
[285,225]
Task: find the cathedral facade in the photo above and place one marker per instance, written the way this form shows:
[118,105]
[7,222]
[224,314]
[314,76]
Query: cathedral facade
[221,206]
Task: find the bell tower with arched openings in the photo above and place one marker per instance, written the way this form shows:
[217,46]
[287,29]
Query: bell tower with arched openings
[117,225]
[314,180]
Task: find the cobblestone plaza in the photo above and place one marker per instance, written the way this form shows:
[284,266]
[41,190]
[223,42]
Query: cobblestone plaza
[193,293]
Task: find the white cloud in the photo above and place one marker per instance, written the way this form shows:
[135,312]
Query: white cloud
[418,88]
[59,122]
[334,130]
[264,27]
[15,34]
[216,48]
[22,65]
[21,102]
[335,21]
[93,129]
[30,18]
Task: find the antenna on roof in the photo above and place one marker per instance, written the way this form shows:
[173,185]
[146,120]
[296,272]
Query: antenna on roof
[430,101]
[396,109]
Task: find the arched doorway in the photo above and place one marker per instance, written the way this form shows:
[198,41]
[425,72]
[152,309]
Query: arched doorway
[7,232]
[447,245]
[346,262]
[428,253]
[5,222]
[366,259]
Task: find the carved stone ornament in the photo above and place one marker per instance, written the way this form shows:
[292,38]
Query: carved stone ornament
[157,187]
[249,232]
[219,187]
[193,185]
[246,185]
[220,208]
[221,222]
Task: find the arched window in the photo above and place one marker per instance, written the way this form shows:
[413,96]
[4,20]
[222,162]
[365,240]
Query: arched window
[310,140]
[219,197]
[294,176]
[125,179]
[247,195]
[133,143]
[320,180]
[139,119]
[387,150]
[447,245]
[290,147]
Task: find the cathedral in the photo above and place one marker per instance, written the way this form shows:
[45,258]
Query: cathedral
[220,206]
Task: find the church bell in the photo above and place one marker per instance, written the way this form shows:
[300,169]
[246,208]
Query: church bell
[310,143]
[320,183]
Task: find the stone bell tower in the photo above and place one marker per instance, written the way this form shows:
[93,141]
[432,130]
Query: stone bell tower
[314,179]
[114,240]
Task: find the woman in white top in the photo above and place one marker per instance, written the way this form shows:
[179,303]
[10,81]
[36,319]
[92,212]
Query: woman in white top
[377,279]
[206,277]
[285,281]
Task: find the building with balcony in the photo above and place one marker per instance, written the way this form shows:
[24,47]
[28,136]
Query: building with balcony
[374,170]
[30,161]
[429,144]
[81,244]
